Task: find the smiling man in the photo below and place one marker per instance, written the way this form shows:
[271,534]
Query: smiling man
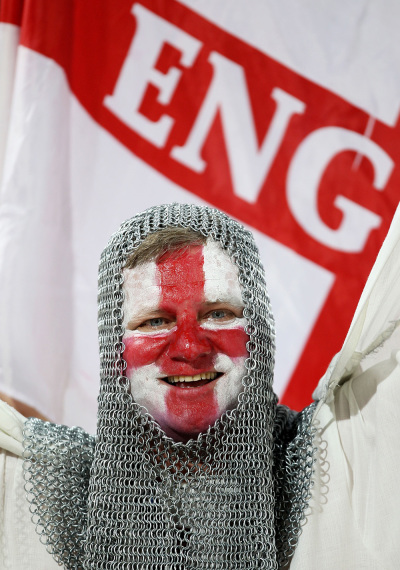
[185,343]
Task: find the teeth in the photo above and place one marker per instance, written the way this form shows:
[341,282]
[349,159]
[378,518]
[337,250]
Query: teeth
[203,376]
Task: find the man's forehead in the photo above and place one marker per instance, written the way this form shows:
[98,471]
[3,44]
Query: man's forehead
[143,284]
[217,263]
[212,257]
[141,290]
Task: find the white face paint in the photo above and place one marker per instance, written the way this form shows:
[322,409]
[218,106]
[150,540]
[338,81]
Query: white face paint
[221,278]
[229,385]
[142,292]
[141,297]
[184,337]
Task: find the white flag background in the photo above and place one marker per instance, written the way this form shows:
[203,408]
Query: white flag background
[283,114]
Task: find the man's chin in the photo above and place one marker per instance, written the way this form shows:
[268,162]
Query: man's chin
[182,432]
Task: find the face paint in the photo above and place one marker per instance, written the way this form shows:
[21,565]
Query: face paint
[185,340]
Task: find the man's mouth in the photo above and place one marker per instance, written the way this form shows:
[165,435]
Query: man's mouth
[192,381]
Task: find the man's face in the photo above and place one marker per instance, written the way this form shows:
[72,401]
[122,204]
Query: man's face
[185,344]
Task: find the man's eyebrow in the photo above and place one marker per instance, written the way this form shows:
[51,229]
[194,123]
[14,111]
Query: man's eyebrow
[225,302]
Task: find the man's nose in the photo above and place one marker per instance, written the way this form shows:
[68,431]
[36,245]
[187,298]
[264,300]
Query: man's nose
[189,342]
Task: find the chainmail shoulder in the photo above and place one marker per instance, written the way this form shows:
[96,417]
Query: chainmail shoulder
[294,457]
[57,461]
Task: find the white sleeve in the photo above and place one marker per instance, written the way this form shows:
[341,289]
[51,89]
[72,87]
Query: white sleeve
[11,428]
[352,521]
[367,415]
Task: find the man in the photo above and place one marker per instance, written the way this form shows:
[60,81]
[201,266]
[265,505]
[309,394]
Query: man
[194,465]
[185,343]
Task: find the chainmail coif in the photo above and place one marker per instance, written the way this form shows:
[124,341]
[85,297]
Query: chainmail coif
[231,499]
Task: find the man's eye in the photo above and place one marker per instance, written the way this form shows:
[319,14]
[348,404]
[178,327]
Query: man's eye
[155,323]
[221,315]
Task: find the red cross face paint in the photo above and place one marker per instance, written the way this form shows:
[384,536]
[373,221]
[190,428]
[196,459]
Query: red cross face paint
[185,344]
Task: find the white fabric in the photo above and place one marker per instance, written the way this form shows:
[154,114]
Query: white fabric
[9,38]
[11,426]
[353,519]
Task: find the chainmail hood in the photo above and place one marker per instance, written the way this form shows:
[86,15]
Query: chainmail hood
[231,499]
